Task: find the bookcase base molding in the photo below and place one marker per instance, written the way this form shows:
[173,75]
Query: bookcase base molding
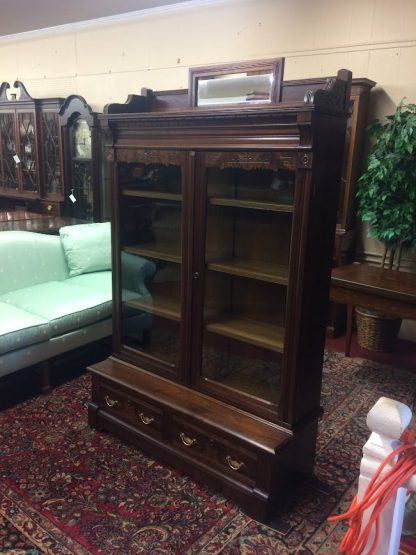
[249,459]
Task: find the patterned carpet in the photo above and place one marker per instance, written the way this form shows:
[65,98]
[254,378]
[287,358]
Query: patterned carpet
[66,489]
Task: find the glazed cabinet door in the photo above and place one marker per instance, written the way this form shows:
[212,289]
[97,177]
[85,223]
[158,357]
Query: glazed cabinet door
[51,156]
[19,156]
[28,164]
[150,200]
[9,181]
[248,200]
[80,184]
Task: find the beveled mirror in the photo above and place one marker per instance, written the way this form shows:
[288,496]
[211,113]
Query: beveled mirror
[236,83]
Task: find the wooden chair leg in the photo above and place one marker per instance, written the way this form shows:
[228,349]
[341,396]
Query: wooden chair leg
[44,377]
[350,310]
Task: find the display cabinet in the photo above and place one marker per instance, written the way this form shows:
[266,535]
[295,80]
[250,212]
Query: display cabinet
[82,155]
[217,365]
[345,237]
[52,174]
[30,147]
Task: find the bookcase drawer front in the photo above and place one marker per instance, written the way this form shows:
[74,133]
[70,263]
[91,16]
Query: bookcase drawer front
[137,412]
[213,450]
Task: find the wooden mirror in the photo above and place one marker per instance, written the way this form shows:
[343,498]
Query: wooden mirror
[236,83]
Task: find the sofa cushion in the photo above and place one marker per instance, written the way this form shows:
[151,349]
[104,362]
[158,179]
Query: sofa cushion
[19,328]
[28,258]
[65,306]
[101,282]
[87,247]
[97,281]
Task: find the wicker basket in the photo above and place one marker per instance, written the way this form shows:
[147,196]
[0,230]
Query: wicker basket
[376,332]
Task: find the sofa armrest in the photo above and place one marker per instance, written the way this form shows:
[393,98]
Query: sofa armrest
[134,271]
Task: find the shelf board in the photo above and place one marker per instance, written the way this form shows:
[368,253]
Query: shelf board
[167,307]
[254,332]
[161,252]
[272,273]
[152,194]
[252,204]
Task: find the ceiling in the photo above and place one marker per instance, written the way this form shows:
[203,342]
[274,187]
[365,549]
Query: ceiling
[19,16]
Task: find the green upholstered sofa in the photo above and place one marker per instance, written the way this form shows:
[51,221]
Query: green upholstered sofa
[55,298]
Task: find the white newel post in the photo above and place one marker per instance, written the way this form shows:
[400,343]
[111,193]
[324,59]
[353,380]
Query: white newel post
[387,420]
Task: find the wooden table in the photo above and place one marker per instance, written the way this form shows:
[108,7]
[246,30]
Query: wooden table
[386,291]
[22,220]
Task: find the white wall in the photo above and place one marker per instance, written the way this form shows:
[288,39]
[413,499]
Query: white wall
[109,59]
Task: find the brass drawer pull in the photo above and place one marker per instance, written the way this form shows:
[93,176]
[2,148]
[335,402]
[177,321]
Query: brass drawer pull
[186,440]
[146,419]
[233,464]
[110,402]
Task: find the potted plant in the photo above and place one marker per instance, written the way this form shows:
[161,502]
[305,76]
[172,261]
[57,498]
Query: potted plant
[387,190]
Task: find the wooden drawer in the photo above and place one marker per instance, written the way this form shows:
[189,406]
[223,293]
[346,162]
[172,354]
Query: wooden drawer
[50,207]
[214,450]
[132,410]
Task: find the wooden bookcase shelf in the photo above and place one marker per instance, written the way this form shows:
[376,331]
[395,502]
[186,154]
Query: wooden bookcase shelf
[251,204]
[160,305]
[157,195]
[256,333]
[263,271]
[162,252]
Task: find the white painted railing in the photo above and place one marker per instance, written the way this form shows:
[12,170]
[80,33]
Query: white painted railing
[387,420]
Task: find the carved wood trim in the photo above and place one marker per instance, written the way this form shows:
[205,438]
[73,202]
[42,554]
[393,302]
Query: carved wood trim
[3,91]
[134,103]
[162,157]
[109,154]
[305,160]
[24,95]
[250,160]
[334,95]
[76,106]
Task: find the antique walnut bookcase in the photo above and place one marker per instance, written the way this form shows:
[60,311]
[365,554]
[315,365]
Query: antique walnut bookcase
[235,204]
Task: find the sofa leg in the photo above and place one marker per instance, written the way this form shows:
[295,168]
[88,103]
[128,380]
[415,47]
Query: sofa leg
[44,377]
[146,337]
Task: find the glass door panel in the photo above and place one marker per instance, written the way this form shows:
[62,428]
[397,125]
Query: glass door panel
[82,187]
[28,157]
[8,175]
[249,222]
[151,221]
[51,154]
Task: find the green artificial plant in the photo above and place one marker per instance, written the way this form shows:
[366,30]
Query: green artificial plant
[387,189]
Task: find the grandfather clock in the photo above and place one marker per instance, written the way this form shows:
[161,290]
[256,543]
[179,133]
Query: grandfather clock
[82,155]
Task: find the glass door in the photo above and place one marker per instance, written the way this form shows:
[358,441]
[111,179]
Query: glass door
[81,186]
[51,155]
[28,156]
[8,176]
[150,201]
[249,211]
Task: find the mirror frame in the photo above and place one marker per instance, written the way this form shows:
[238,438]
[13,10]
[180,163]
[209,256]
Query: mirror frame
[274,66]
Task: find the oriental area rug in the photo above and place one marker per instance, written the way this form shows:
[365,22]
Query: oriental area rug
[66,489]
